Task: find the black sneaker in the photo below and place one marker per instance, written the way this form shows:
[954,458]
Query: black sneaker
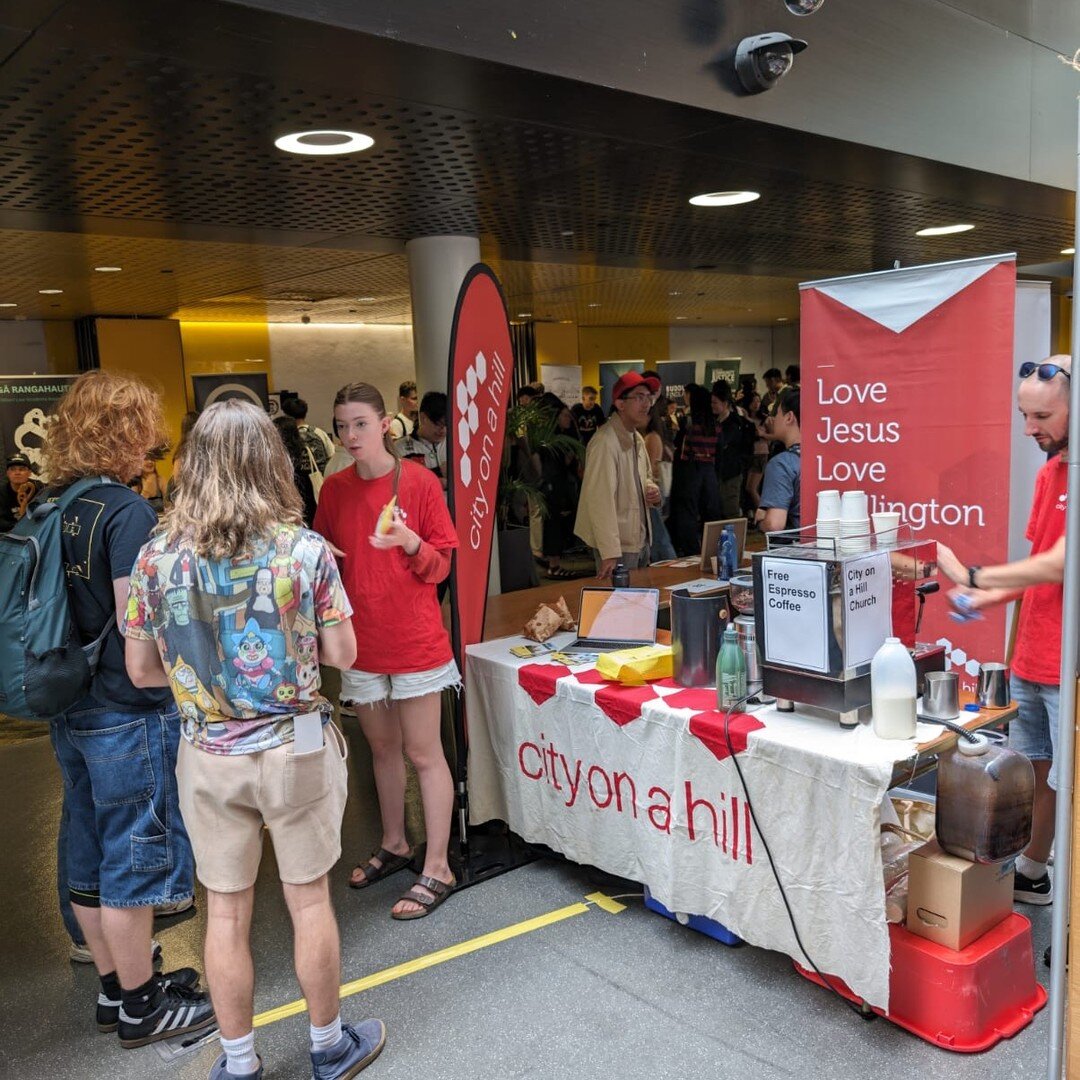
[1039,891]
[108,1011]
[182,1009]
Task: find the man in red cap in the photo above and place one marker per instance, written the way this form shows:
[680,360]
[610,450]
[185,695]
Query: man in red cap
[617,488]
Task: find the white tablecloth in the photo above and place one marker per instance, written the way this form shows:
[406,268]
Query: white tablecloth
[639,782]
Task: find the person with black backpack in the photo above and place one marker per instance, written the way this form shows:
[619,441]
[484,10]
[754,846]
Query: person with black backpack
[318,448]
[734,447]
[127,849]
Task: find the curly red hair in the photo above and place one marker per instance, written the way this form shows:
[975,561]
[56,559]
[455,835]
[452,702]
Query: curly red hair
[105,425]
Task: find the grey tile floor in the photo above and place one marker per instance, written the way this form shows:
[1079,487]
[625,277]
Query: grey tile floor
[630,995]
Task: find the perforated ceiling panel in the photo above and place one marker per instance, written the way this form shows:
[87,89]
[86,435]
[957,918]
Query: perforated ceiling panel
[118,150]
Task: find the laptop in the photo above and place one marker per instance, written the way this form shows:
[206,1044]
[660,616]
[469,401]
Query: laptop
[613,619]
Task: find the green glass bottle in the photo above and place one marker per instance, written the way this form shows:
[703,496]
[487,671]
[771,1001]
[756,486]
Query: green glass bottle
[730,671]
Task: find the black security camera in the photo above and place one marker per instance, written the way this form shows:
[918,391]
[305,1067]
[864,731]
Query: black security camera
[803,7]
[763,60]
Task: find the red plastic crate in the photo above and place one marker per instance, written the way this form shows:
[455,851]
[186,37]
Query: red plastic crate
[965,1001]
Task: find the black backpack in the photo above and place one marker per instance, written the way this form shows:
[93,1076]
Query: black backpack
[316,448]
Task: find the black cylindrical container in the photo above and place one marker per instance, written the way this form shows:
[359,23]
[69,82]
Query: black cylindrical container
[620,577]
[697,626]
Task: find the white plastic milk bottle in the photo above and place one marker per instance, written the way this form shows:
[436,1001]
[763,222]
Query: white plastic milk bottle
[892,691]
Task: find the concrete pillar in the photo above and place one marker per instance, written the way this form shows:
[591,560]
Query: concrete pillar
[437,267]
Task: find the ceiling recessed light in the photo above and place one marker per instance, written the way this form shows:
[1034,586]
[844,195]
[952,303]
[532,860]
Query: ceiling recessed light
[324,142]
[681,316]
[783,318]
[50,292]
[365,299]
[567,322]
[108,269]
[524,314]
[725,198]
[674,292]
[594,305]
[944,230]
[9,305]
[568,232]
[1068,251]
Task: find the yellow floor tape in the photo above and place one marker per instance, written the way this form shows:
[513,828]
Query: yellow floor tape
[399,971]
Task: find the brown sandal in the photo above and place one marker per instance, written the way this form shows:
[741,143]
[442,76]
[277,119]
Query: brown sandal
[391,864]
[439,890]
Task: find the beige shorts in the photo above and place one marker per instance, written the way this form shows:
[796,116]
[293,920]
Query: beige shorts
[226,799]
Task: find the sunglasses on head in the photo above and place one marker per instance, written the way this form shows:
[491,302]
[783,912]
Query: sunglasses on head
[1045,371]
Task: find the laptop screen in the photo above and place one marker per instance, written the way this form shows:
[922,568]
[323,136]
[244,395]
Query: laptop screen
[619,614]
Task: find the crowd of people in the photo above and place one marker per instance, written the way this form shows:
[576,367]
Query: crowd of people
[205,721]
[718,453]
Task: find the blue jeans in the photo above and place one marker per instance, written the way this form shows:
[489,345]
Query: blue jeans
[1034,732]
[71,925]
[126,845]
[661,547]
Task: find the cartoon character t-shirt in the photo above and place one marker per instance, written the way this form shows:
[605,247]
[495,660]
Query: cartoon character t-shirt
[239,637]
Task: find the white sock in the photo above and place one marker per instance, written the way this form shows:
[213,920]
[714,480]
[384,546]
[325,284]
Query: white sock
[1030,868]
[240,1056]
[325,1038]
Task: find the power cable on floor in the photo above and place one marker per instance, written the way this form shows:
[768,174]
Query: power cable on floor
[857,1009]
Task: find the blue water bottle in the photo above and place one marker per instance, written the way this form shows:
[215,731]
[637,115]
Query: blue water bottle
[726,554]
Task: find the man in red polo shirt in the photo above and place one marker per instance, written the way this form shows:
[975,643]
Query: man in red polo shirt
[1043,397]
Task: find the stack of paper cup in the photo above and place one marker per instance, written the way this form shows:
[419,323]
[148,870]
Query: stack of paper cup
[886,528]
[828,519]
[854,523]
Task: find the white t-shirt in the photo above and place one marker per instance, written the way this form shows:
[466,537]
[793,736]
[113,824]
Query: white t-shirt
[400,426]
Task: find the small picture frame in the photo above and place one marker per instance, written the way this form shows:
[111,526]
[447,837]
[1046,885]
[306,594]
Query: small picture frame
[710,537]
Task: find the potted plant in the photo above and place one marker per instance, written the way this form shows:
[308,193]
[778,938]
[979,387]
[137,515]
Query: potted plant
[532,430]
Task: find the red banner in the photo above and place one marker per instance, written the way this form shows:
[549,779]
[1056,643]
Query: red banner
[907,394]
[481,362]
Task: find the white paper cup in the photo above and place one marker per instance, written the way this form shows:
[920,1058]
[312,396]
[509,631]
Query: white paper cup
[886,526]
[853,506]
[854,536]
[828,526]
[855,528]
[854,546]
[828,505]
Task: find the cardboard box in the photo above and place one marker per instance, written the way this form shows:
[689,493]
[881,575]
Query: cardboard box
[952,901]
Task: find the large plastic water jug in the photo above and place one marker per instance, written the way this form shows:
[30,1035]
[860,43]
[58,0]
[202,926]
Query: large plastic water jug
[985,795]
[892,691]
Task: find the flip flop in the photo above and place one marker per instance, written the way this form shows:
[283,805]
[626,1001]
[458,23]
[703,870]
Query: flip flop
[391,864]
[439,890]
[561,573]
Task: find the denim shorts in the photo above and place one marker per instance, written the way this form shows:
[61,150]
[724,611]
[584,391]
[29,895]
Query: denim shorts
[1034,732]
[127,845]
[366,688]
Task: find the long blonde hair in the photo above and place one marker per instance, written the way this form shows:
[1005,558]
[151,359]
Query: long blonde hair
[104,426]
[234,483]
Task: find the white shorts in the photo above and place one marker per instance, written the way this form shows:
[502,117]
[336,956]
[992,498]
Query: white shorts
[365,688]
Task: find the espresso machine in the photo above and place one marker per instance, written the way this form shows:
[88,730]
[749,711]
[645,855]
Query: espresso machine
[823,606]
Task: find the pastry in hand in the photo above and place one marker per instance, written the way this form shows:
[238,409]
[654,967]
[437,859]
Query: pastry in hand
[386,518]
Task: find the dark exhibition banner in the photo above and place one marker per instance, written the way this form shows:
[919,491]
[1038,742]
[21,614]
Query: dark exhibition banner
[210,388]
[25,403]
[674,375]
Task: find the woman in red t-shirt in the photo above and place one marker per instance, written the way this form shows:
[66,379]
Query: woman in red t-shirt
[391,571]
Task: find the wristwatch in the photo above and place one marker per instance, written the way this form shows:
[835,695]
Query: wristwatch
[972,571]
